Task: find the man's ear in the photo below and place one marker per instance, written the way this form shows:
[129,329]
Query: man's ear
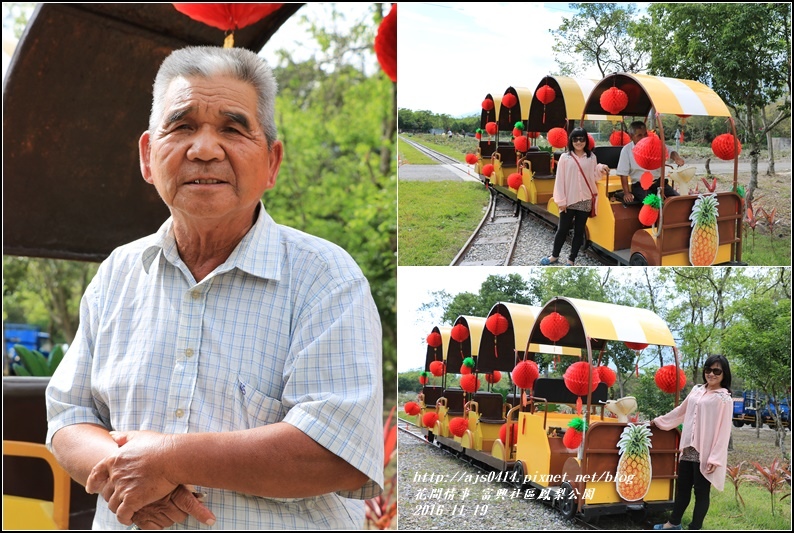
[276,154]
[144,152]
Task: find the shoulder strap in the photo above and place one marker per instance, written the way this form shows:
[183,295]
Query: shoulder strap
[582,173]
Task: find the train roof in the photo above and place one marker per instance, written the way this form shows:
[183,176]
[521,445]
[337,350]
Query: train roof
[469,347]
[433,354]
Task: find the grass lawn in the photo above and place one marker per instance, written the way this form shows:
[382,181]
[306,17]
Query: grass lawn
[456,147]
[435,219]
[409,155]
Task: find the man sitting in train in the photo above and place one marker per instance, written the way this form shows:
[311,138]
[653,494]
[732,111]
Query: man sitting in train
[628,167]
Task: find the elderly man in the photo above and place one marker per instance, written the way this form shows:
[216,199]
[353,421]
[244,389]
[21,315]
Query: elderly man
[628,167]
[227,370]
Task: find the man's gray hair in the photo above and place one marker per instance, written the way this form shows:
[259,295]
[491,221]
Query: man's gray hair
[637,125]
[208,61]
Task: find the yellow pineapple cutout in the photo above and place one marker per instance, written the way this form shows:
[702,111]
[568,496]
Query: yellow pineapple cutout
[633,478]
[705,238]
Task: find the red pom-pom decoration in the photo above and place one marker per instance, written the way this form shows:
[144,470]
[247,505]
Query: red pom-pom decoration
[722,146]
[606,375]
[478,135]
[471,159]
[648,152]
[576,378]
[458,426]
[513,434]
[533,134]
[666,379]
[386,44]
[614,100]
[491,128]
[646,180]
[515,180]
[487,170]
[437,368]
[496,324]
[465,369]
[636,345]
[487,104]
[509,100]
[412,408]
[619,138]
[493,377]
[459,333]
[434,339]
[590,142]
[525,373]
[557,137]
[572,439]
[429,419]
[470,383]
[517,132]
[230,17]
[423,377]
[545,94]
[648,216]
[521,143]
[554,326]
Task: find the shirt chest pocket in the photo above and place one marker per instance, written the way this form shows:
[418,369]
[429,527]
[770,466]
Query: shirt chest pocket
[258,408]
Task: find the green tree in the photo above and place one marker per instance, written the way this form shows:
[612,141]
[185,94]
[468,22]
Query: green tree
[511,288]
[742,51]
[651,400]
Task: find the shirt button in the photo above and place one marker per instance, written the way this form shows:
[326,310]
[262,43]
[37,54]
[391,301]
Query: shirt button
[195,295]
[179,413]
[189,352]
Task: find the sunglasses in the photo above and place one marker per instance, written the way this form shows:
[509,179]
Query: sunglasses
[715,371]
[578,139]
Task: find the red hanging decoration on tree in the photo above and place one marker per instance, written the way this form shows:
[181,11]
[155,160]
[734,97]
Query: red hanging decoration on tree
[576,381]
[665,379]
[554,326]
[557,137]
[470,383]
[513,434]
[648,152]
[723,146]
[606,375]
[228,17]
[429,419]
[614,100]
[412,408]
[493,377]
[524,374]
[458,426]
[515,180]
[619,138]
[437,368]
[386,44]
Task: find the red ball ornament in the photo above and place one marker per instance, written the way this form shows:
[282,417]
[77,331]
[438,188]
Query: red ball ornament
[465,369]
[491,128]
[636,345]
[458,426]
[533,134]
[648,153]
[619,138]
[576,378]
[722,146]
[590,142]
[437,368]
[470,383]
[521,143]
[487,104]
[665,379]
[513,434]
[546,94]
[493,377]
[517,132]
[386,44]
[607,375]
[614,100]
[471,159]
[557,137]
[478,135]
[515,180]
[554,326]
[434,339]
[509,100]
[230,17]
[496,324]
[459,333]
[487,170]
[429,419]
[646,180]
[525,373]
[572,439]
[412,408]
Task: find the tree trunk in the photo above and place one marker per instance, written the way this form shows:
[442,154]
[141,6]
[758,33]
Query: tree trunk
[770,171]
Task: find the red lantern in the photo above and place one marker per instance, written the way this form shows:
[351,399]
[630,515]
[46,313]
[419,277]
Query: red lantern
[636,345]
[434,339]
[471,159]
[665,379]
[521,143]
[648,153]
[723,147]
[619,138]
[386,44]
[646,180]
[576,378]
[487,104]
[429,419]
[412,408]
[545,94]
[607,375]
[458,426]
[228,17]
[513,434]
[459,333]
[470,383]
[590,142]
[496,324]
[487,170]
[515,180]
[572,439]
[614,100]
[491,128]
[557,137]
[509,100]
[533,134]
[525,373]
[437,368]
[465,369]
[554,326]
[493,377]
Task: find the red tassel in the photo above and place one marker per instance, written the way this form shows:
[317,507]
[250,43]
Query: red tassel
[579,405]
[637,368]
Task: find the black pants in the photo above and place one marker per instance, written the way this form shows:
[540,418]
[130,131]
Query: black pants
[689,475]
[568,218]
[640,193]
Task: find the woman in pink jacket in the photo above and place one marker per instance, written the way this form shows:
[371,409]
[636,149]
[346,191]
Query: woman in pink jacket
[574,187]
[707,414]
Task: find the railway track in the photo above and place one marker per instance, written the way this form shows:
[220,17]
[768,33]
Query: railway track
[493,242]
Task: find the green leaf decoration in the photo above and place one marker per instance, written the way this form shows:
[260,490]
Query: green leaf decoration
[653,200]
[469,362]
[519,125]
[578,424]
[740,191]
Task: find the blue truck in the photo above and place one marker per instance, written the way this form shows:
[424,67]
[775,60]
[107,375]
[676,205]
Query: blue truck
[746,410]
[29,336]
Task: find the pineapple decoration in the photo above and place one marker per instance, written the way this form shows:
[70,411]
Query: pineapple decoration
[633,477]
[518,129]
[575,433]
[649,213]
[467,366]
[705,239]
[424,377]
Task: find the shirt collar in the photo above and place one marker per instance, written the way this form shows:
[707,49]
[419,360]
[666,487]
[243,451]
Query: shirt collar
[258,253]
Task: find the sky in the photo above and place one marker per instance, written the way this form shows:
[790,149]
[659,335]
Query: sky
[451,55]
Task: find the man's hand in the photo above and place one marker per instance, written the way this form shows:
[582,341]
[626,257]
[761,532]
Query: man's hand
[628,197]
[173,509]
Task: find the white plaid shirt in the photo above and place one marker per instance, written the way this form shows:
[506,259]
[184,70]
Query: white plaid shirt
[284,330]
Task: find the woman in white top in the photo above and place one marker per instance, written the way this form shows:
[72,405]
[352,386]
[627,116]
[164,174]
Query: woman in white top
[574,187]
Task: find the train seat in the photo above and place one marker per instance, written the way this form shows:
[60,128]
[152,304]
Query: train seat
[608,155]
[553,390]
[490,405]
[513,399]
[431,394]
[455,400]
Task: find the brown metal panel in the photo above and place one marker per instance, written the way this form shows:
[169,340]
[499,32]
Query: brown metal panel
[76,98]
